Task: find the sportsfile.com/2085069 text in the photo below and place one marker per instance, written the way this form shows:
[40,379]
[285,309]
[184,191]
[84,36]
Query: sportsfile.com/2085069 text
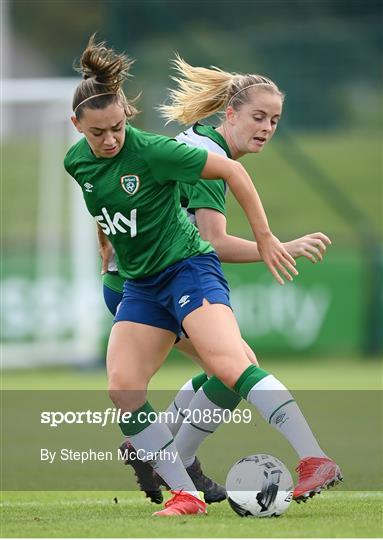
[116,416]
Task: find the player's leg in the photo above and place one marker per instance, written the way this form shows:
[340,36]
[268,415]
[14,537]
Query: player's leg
[184,345]
[135,352]
[215,334]
[213,492]
[191,436]
[207,396]
[188,390]
[216,390]
[213,398]
[216,337]
[149,483]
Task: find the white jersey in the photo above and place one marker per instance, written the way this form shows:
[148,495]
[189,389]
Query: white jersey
[192,138]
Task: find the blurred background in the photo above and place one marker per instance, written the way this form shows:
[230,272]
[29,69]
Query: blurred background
[321,172]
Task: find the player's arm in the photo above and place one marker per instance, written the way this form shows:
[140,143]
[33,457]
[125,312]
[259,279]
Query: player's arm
[105,249]
[275,256]
[212,226]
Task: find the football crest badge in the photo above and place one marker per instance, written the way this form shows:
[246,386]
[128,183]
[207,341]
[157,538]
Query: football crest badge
[130,183]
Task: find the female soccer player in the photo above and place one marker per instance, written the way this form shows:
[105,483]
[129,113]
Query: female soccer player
[173,277]
[203,92]
[251,107]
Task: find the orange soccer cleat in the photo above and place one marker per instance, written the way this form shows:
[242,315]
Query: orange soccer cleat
[315,474]
[182,504]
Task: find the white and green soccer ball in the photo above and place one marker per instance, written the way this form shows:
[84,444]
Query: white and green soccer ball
[259,486]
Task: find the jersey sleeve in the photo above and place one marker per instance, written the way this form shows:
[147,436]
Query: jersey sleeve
[207,194]
[68,164]
[74,154]
[170,161]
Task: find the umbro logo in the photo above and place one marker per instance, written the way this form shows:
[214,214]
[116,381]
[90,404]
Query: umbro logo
[184,300]
[88,187]
[280,419]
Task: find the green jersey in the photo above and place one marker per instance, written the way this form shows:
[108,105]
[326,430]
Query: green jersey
[134,196]
[113,281]
[205,194]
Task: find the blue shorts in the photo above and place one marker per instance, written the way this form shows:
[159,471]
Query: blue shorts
[165,299]
[111,298]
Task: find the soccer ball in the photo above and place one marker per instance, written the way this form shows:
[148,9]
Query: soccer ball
[259,486]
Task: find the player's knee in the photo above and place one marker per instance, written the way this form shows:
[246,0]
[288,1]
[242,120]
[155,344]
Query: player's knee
[125,381]
[117,389]
[119,380]
[228,371]
[227,378]
[126,396]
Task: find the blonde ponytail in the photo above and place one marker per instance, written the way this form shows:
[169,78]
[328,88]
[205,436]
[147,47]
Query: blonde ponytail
[202,91]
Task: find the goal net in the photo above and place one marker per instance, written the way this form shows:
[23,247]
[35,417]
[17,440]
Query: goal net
[52,310]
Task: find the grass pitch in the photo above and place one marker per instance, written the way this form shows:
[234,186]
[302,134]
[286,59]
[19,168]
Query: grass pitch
[332,514]
[332,373]
[82,515]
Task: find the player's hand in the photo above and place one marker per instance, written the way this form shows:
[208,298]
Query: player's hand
[312,246]
[106,253]
[277,258]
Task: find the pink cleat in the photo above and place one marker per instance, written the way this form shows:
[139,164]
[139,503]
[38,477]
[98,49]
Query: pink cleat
[182,504]
[315,474]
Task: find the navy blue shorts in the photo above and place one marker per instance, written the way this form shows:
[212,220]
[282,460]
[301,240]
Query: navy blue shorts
[165,299]
[111,298]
